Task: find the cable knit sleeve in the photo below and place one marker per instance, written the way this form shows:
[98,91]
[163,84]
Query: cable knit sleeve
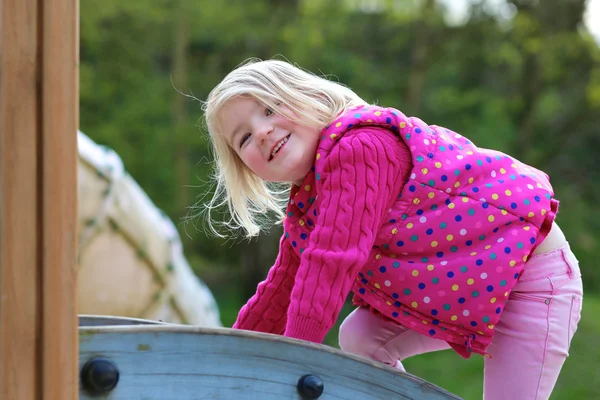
[266,311]
[358,183]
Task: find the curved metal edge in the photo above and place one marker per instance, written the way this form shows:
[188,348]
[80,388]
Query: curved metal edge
[108,320]
[268,337]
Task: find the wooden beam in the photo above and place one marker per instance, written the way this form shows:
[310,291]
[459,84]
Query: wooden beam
[60,120]
[19,223]
[38,199]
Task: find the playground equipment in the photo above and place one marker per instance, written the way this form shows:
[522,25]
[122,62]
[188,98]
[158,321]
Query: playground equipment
[44,352]
[131,260]
[133,359]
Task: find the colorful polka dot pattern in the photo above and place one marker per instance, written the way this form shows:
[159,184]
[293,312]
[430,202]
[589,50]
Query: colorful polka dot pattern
[455,242]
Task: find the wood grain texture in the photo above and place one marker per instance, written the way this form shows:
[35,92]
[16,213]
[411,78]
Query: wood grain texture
[60,113]
[19,242]
[38,128]
[184,363]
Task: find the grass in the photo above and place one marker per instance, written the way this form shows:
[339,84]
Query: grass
[465,377]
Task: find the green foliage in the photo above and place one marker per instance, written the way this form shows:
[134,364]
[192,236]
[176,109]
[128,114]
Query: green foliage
[529,86]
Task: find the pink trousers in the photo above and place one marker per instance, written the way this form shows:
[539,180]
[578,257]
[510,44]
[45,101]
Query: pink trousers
[531,341]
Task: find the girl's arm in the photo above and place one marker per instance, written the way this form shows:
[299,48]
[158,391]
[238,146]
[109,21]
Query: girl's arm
[363,174]
[266,311]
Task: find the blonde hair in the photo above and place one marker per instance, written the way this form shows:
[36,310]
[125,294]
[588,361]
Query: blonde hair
[312,101]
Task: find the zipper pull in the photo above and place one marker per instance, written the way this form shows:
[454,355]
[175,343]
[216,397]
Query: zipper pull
[469,343]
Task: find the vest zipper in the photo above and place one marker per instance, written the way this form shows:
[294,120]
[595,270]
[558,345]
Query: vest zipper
[469,343]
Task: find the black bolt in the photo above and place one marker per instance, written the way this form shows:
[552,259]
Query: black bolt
[99,376]
[310,387]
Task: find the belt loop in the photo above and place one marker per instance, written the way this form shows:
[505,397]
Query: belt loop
[567,260]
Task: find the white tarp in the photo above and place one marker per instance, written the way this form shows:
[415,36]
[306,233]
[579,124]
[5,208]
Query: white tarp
[131,261]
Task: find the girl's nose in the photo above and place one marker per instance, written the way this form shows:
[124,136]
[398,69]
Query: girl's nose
[263,131]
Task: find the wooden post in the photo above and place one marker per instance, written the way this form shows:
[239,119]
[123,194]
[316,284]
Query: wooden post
[38,199]
[19,229]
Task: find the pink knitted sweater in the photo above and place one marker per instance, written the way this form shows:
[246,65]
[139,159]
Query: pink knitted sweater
[421,225]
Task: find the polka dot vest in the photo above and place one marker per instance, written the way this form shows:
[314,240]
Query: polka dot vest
[457,237]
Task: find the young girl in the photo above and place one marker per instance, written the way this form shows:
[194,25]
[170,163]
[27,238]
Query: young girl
[444,244]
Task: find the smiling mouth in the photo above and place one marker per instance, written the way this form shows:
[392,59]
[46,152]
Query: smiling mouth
[278,146]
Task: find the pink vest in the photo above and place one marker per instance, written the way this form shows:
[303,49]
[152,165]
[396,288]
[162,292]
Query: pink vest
[456,240]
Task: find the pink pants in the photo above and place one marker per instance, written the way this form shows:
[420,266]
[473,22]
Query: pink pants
[531,341]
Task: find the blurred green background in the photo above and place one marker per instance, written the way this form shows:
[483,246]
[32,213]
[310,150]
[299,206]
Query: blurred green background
[519,76]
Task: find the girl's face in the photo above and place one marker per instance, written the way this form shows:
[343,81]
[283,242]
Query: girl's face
[272,146]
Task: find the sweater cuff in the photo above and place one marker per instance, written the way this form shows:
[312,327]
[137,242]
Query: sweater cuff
[303,328]
[248,322]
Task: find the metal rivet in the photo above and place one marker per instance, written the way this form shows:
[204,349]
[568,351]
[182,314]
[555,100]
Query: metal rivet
[99,376]
[310,387]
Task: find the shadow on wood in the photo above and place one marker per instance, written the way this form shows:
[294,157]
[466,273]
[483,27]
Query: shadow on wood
[147,360]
